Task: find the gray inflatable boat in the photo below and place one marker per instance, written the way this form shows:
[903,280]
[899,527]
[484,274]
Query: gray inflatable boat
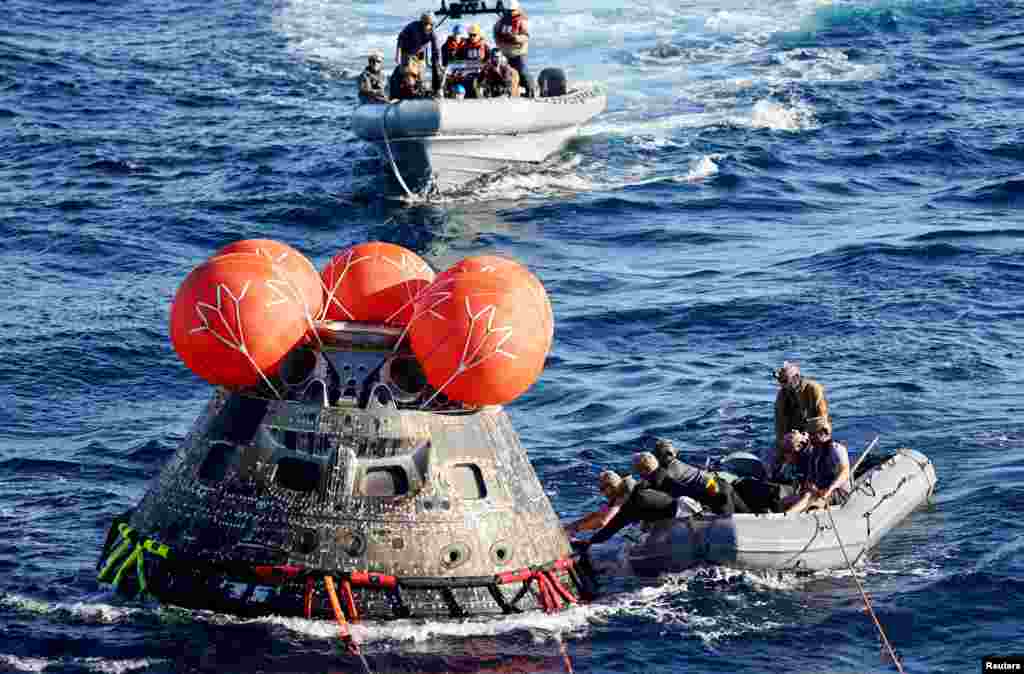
[446,143]
[883,494]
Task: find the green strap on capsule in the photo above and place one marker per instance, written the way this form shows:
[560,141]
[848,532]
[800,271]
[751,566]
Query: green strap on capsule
[158,549]
[118,553]
[123,560]
[132,558]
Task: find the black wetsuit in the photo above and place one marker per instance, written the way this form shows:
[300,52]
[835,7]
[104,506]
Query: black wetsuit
[642,505]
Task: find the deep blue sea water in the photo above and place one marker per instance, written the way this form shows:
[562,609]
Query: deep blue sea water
[836,183]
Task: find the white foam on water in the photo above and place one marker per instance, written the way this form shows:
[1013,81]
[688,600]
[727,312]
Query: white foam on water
[89,612]
[543,626]
[702,168]
[116,666]
[16,663]
[779,117]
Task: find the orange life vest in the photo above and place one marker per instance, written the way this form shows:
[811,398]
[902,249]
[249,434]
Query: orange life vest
[475,51]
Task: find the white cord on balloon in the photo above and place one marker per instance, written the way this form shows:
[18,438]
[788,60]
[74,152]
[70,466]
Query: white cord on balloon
[239,343]
[466,361]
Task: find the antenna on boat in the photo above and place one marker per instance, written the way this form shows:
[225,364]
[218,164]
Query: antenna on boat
[459,9]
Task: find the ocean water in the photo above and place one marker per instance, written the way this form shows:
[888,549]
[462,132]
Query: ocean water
[835,183]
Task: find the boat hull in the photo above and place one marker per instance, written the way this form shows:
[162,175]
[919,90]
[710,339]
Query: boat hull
[446,144]
[811,541]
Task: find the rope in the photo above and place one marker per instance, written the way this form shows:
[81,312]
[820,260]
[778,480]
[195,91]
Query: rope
[391,157]
[863,594]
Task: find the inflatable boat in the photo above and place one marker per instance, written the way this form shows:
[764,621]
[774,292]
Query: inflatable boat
[445,143]
[885,490]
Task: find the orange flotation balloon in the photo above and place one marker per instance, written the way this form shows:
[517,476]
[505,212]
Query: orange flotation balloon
[374,281]
[480,337]
[299,268]
[504,266]
[235,318]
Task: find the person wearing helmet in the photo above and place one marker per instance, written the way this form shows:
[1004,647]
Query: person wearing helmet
[458,92]
[798,400]
[371,81]
[413,41]
[476,48]
[512,37]
[497,78]
[452,48]
[615,489]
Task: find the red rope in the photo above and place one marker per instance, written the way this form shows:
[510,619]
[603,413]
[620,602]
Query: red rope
[350,600]
[559,588]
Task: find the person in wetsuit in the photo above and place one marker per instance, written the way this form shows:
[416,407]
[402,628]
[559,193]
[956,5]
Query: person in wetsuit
[371,81]
[641,504]
[614,488]
[662,470]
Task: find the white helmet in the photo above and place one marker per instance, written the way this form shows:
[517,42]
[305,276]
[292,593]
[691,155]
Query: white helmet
[513,5]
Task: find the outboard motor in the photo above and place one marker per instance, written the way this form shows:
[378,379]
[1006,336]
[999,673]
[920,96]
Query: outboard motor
[552,82]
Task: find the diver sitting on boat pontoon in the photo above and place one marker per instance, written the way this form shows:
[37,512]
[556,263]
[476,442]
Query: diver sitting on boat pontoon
[371,81]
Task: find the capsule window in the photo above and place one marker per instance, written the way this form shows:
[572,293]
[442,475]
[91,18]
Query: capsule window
[215,466]
[385,481]
[468,481]
[297,475]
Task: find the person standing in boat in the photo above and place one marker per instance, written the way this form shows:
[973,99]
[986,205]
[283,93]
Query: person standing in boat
[476,49]
[827,467]
[371,81]
[798,400]
[614,488]
[512,37]
[413,41]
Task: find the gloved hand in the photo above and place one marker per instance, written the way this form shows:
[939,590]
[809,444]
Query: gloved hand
[579,546]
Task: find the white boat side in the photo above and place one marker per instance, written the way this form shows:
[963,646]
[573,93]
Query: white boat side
[881,498]
[452,142]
